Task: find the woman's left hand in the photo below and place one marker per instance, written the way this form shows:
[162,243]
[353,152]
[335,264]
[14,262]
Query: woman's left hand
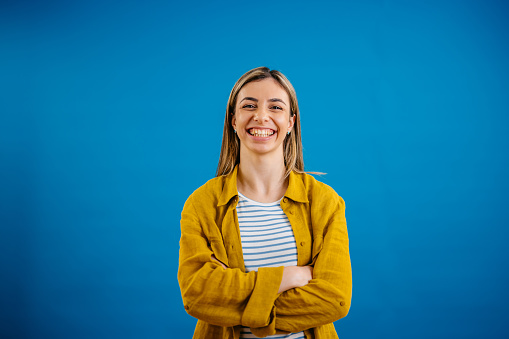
[220,263]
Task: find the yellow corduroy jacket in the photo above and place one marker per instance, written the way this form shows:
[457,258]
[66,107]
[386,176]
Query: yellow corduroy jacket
[224,299]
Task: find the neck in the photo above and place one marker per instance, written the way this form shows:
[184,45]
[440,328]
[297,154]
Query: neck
[262,177]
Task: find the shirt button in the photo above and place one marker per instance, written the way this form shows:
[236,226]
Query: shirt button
[342,303]
[285,200]
[302,243]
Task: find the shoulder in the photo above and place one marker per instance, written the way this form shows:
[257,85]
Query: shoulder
[325,205]
[317,190]
[210,191]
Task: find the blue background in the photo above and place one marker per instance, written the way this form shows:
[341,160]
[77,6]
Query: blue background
[112,113]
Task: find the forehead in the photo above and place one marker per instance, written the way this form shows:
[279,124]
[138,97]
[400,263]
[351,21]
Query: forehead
[264,89]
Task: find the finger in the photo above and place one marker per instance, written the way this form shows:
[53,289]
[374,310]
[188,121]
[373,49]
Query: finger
[215,259]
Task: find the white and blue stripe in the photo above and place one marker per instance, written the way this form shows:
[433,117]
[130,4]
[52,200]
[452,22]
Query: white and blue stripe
[248,334]
[267,241]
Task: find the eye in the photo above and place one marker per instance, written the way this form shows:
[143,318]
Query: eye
[248,106]
[277,107]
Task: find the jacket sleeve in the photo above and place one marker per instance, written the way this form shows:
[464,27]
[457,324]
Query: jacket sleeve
[219,296]
[326,298]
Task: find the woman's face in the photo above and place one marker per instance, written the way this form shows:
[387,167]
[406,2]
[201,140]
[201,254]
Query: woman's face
[262,117]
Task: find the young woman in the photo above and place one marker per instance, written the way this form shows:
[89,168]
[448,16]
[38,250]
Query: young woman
[264,246]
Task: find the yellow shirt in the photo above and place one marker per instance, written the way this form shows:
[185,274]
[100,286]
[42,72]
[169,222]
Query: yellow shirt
[224,299]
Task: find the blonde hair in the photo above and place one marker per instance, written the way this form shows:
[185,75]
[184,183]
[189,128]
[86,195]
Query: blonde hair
[292,145]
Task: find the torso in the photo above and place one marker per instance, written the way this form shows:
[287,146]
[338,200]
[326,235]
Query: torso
[267,241]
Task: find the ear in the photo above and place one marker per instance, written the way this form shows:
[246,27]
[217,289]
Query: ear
[234,122]
[291,122]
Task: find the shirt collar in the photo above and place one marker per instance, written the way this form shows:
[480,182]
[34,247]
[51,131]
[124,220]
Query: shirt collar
[229,188]
[296,190]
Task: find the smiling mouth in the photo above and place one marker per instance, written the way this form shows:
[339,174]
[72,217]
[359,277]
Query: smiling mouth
[260,132]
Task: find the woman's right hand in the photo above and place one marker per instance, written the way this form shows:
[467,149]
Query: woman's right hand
[295,276]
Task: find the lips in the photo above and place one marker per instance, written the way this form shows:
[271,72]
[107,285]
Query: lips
[261,132]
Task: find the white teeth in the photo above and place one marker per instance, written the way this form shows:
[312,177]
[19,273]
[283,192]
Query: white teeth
[261,132]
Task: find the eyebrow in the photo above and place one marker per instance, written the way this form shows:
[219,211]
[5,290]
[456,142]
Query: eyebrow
[278,100]
[256,100]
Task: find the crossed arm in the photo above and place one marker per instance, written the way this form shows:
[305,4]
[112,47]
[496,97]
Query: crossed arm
[293,276]
[288,299]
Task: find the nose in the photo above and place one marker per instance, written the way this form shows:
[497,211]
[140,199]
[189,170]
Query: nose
[261,115]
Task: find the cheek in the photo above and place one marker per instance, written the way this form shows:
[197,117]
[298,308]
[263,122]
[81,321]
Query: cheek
[284,122]
[240,120]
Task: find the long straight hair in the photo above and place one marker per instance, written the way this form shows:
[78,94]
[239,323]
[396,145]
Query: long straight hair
[292,145]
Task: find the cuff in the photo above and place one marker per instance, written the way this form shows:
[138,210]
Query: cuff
[259,311]
[262,332]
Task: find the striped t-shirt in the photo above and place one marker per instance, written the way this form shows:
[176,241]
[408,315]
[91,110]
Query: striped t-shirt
[267,241]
